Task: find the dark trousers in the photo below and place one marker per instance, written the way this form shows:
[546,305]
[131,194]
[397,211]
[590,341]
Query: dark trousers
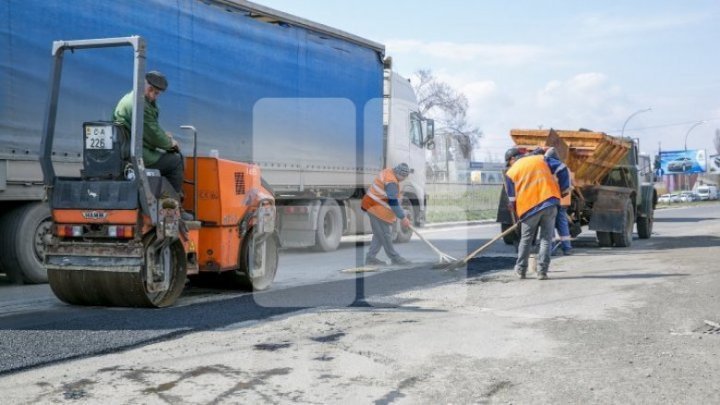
[172,167]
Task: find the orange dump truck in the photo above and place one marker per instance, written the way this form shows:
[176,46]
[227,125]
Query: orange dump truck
[612,183]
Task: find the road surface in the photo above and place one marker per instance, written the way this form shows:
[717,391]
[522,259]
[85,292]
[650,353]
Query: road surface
[610,326]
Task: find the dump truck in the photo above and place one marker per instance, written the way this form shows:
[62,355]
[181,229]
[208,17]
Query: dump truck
[612,184]
[319,110]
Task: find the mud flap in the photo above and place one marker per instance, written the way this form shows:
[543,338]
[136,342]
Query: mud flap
[608,210]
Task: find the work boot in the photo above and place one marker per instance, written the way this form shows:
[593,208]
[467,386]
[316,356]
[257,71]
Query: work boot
[373,261]
[542,276]
[400,261]
[520,273]
[567,252]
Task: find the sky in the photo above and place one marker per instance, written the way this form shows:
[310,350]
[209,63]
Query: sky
[560,63]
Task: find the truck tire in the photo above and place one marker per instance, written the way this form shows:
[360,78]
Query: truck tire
[511,237]
[604,239]
[329,227]
[645,225]
[624,239]
[22,249]
[404,235]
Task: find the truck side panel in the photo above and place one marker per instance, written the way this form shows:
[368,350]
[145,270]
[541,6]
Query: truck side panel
[220,63]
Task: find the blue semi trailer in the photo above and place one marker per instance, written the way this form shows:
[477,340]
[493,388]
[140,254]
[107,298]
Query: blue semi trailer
[318,109]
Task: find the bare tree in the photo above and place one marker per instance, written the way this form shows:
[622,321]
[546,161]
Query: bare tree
[448,107]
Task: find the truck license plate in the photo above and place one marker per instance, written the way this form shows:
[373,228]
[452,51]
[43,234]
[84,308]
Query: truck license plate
[98,137]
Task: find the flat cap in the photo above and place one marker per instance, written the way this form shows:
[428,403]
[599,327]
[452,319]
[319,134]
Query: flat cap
[157,80]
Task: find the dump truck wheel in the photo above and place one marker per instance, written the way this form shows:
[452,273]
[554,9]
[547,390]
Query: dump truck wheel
[254,255]
[23,249]
[624,239]
[604,239]
[404,235]
[329,227]
[645,225]
[511,237]
[120,289]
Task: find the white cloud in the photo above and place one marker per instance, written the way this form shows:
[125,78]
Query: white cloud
[490,54]
[605,25]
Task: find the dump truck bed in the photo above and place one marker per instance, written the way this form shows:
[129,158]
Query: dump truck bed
[589,155]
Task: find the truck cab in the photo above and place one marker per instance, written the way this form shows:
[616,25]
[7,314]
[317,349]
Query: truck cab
[407,134]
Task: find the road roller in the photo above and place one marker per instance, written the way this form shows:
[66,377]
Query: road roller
[122,236]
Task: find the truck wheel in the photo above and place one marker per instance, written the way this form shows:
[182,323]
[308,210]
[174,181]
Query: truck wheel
[329,227]
[604,239]
[624,239]
[645,225]
[404,235]
[258,263]
[511,237]
[22,247]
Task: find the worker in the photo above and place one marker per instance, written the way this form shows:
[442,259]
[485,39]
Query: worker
[534,184]
[381,202]
[160,150]
[561,221]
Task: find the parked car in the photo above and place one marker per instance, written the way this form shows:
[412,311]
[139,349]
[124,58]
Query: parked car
[665,199]
[681,164]
[689,197]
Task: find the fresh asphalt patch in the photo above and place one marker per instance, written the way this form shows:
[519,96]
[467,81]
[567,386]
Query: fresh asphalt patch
[66,332]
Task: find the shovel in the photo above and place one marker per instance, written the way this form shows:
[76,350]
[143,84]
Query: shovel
[443,258]
[462,262]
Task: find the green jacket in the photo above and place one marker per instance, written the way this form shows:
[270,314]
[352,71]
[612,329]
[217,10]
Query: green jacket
[154,137]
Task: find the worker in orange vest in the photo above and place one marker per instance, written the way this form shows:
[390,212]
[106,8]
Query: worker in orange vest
[381,202]
[561,222]
[534,184]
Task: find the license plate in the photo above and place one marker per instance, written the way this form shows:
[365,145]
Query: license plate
[98,137]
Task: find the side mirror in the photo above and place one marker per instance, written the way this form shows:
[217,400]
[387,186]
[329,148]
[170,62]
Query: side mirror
[429,133]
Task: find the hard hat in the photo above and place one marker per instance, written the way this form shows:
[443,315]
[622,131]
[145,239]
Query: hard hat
[157,80]
[511,153]
[402,170]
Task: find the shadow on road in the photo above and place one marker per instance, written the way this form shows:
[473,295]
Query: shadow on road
[623,276]
[684,219]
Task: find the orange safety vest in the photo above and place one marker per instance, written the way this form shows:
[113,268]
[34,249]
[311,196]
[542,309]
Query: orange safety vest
[534,183]
[375,201]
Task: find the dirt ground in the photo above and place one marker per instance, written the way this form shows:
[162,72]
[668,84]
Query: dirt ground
[610,326]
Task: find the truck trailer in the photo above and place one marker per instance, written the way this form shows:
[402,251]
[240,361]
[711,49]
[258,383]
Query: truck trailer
[319,110]
[612,184]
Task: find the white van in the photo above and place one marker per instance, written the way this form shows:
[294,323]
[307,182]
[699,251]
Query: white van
[707,192]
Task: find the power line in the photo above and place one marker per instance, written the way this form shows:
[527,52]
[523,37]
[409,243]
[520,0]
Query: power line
[677,124]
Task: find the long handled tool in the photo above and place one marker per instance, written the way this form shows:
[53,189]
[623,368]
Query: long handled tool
[462,262]
[442,257]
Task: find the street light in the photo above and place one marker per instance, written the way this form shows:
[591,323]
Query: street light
[686,185]
[622,133]
[690,129]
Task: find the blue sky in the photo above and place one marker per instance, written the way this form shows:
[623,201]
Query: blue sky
[562,64]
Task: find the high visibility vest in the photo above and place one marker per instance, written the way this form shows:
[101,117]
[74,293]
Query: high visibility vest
[375,201]
[534,183]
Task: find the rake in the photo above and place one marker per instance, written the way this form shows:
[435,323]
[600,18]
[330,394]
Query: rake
[443,258]
[462,262]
